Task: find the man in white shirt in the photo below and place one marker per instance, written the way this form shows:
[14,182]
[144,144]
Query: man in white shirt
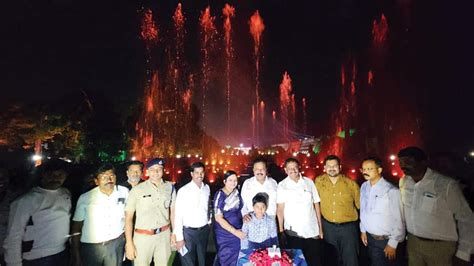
[38,224]
[381,217]
[99,222]
[192,218]
[260,182]
[439,221]
[299,215]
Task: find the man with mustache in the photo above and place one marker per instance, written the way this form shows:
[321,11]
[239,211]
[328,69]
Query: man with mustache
[98,222]
[340,200]
[299,215]
[38,225]
[260,182]
[381,219]
[439,221]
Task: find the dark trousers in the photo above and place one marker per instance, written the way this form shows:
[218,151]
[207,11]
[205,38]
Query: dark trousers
[196,243]
[376,253]
[422,252]
[345,239]
[127,262]
[107,254]
[57,259]
[311,248]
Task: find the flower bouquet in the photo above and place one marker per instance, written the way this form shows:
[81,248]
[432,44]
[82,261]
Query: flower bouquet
[260,257]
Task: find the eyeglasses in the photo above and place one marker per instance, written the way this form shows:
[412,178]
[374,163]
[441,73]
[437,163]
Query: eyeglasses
[106,177]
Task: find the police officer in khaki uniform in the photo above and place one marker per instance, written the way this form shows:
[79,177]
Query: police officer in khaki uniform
[152,202]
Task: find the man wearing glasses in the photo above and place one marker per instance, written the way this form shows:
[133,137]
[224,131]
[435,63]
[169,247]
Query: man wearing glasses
[99,222]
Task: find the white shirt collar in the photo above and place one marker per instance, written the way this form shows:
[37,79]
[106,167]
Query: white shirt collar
[105,195]
[256,180]
[300,180]
[195,186]
[426,177]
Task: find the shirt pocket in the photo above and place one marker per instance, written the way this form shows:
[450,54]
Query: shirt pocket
[429,202]
[381,203]
[304,196]
[147,203]
[121,201]
[120,208]
[203,201]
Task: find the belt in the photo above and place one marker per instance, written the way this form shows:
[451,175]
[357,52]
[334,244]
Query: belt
[196,228]
[376,237]
[427,239]
[103,243]
[152,231]
[338,224]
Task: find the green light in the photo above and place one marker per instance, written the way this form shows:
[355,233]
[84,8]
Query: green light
[317,148]
[122,156]
[342,134]
[352,132]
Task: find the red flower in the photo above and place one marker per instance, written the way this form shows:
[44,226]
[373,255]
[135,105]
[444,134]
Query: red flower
[260,258]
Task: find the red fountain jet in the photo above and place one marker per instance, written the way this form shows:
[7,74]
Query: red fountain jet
[208,33]
[229,12]
[256,29]
[148,29]
[379,31]
[285,103]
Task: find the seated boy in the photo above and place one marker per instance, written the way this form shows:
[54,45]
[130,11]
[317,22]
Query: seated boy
[261,231]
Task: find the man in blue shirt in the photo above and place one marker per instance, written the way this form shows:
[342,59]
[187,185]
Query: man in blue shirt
[382,225]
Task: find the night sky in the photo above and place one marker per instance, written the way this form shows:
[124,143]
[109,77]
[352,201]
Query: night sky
[51,48]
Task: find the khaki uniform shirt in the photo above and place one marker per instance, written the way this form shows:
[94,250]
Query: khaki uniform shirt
[340,201]
[151,204]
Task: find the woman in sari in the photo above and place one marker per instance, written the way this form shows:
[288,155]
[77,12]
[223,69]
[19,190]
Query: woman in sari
[227,228]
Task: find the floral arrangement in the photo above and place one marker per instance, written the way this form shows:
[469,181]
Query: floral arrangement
[260,257]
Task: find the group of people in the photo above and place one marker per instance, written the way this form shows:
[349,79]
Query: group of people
[143,221]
